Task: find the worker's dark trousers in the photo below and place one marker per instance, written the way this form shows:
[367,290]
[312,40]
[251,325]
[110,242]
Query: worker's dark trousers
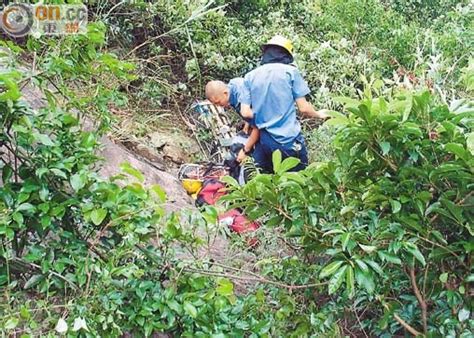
[267,145]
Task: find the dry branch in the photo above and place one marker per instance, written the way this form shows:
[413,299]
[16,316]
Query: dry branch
[254,278]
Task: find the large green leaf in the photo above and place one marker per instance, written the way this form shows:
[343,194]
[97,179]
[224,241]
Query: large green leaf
[389,257]
[455,210]
[158,190]
[396,206]
[225,287]
[365,279]
[330,269]
[174,305]
[98,215]
[350,281]
[368,248]
[190,309]
[12,91]
[276,160]
[345,240]
[346,101]
[464,314]
[126,167]
[415,252]
[470,142]
[34,280]
[7,173]
[287,164]
[337,119]
[43,139]
[11,323]
[458,150]
[27,207]
[77,181]
[385,146]
[336,280]
[229,180]
[375,266]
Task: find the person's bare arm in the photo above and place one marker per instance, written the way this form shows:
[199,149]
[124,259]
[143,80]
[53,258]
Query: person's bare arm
[307,109]
[246,111]
[253,138]
[246,128]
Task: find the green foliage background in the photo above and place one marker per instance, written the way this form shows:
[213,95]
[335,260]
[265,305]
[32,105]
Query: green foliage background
[374,239]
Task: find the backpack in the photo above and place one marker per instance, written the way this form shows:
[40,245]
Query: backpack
[212,189]
[237,222]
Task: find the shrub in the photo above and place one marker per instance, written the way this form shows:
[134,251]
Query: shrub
[391,216]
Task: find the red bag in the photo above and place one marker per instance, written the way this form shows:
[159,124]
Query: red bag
[212,189]
[210,193]
[237,222]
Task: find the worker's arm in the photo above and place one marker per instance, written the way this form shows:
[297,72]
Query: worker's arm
[253,138]
[246,111]
[246,128]
[307,109]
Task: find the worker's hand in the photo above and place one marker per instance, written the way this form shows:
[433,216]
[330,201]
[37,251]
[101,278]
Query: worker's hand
[241,156]
[246,111]
[246,128]
[323,114]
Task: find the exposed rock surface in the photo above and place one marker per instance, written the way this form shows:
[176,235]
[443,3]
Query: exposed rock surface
[145,158]
[115,154]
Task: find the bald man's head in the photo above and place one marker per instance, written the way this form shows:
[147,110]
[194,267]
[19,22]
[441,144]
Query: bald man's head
[218,93]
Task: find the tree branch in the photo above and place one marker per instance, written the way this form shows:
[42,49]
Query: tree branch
[23,266]
[254,279]
[421,300]
[407,326]
[193,17]
[403,323]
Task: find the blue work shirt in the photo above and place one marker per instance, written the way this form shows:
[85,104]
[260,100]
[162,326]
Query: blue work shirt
[236,90]
[271,91]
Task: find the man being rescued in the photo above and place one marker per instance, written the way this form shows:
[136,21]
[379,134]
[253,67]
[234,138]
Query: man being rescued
[230,95]
[266,98]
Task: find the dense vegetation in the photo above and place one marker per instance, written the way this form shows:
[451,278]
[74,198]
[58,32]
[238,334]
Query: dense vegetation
[373,239]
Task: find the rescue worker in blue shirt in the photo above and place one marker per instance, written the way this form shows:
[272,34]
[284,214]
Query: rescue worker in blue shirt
[269,96]
[230,95]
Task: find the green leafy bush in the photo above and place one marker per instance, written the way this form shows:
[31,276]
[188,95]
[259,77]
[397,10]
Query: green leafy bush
[390,218]
[375,239]
[87,256]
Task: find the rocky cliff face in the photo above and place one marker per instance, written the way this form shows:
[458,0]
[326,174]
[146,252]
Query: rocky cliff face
[114,154]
